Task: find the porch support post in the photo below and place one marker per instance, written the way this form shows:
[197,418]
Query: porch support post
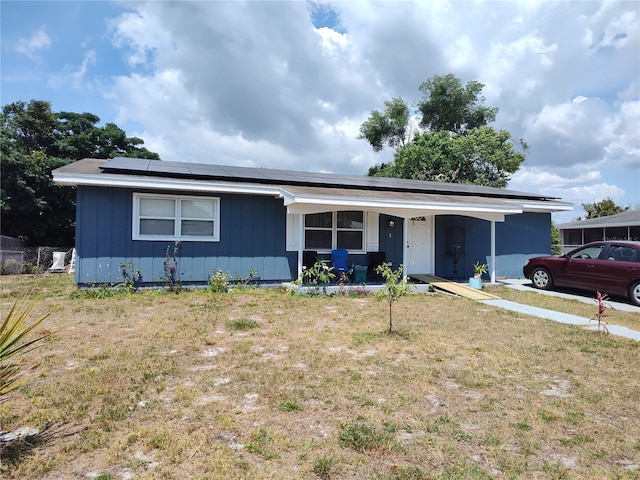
[405,253]
[300,242]
[493,251]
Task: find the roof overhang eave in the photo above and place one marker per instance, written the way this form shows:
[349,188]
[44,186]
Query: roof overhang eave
[404,209]
[157,183]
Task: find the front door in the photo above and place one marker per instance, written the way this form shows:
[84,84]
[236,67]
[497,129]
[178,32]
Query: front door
[419,245]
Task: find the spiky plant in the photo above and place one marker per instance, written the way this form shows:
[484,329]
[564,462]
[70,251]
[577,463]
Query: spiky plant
[13,332]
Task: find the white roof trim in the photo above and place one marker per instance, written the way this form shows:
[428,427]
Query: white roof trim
[313,203]
[302,204]
[543,207]
[157,183]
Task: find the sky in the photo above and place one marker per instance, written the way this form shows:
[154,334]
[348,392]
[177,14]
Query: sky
[287,85]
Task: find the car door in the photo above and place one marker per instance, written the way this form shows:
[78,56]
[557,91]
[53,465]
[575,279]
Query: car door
[580,268]
[615,270]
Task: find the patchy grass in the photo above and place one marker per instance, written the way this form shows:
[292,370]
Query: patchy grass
[260,384]
[567,305]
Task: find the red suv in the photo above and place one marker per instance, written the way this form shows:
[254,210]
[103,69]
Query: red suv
[611,266]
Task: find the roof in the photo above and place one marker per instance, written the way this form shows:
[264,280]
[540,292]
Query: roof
[307,192]
[624,219]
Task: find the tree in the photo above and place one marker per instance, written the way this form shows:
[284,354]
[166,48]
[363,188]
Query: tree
[556,239]
[36,141]
[29,127]
[455,143]
[603,208]
[447,105]
[388,129]
[395,287]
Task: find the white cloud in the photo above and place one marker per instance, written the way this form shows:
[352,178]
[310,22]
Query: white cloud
[88,59]
[32,45]
[257,83]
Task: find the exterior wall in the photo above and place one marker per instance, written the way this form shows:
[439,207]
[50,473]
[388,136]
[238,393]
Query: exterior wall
[518,238]
[254,224]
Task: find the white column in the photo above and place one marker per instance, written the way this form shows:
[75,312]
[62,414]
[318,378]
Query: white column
[300,242]
[493,251]
[405,253]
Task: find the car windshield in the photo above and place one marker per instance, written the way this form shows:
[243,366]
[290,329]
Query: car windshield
[590,252]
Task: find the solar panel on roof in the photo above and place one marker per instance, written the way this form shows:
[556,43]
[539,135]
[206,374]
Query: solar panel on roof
[122,163]
[291,177]
[161,167]
[203,169]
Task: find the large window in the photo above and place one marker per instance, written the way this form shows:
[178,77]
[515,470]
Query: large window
[330,230]
[168,217]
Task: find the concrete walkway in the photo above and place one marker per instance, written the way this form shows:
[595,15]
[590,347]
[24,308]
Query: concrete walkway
[564,317]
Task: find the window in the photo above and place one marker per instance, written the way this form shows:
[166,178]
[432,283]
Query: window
[330,230]
[573,237]
[588,253]
[167,217]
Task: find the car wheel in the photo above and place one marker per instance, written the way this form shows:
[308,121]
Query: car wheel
[541,278]
[634,293]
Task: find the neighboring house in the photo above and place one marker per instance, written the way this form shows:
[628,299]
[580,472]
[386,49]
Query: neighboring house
[237,219]
[622,226]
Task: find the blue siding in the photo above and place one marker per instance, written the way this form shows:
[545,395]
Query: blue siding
[517,238]
[254,224]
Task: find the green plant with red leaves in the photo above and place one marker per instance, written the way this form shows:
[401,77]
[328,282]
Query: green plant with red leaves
[602,323]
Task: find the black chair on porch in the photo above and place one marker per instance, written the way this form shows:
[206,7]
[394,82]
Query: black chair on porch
[374,259]
[309,258]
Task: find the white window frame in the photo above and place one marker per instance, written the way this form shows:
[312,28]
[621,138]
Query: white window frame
[177,236]
[335,229]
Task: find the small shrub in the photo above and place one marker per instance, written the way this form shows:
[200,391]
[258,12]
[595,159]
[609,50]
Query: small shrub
[11,266]
[250,281]
[219,282]
[319,274]
[171,265]
[358,292]
[130,278]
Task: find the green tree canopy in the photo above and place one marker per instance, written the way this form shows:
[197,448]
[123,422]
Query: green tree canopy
[447,105]
[455,143]
[36,141]
[389,128]
[603,208]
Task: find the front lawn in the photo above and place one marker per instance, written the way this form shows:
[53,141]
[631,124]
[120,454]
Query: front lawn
[262,384]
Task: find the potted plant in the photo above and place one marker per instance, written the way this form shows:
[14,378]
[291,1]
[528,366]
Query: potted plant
[478,270]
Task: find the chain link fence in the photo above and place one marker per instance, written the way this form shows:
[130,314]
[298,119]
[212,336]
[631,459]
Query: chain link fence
[15,260]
